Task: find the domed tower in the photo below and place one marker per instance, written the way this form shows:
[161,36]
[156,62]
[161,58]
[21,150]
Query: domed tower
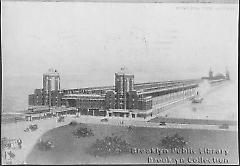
[227,74]
[210,74]
[51,82]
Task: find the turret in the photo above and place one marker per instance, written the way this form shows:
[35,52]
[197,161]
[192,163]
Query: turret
[210,74]
[124,83]
[51,82]
[227,74]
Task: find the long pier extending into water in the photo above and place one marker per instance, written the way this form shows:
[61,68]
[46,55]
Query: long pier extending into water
[124,99]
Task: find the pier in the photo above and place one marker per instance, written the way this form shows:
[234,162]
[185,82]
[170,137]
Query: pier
[124,99]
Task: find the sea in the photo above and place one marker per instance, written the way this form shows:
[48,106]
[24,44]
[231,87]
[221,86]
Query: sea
[220,102]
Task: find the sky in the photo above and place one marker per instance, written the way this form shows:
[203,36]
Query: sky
[166,40]
[88,42]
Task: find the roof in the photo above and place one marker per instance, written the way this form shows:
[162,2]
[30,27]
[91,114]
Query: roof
[166,89]
[124,71]
[82,95]
[52,72]
[219,75]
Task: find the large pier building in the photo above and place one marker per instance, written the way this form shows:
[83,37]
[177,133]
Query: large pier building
[218,78]
[124,99]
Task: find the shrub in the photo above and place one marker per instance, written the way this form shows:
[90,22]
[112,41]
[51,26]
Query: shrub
[73,123]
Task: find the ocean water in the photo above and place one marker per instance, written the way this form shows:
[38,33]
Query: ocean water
[220,102]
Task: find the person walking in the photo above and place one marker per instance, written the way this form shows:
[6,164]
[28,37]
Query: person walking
[19,141]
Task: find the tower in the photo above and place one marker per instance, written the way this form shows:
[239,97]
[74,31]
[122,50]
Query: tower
[227,74]
[51,83]
[210,74]
[124,83]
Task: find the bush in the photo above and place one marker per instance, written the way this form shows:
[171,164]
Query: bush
[175,141]
[83,132]
[110,146]
[73,123]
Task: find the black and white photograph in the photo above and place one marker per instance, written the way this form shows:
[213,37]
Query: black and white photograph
[119,82]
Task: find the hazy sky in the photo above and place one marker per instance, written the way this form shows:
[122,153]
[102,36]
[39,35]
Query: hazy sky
[80,38]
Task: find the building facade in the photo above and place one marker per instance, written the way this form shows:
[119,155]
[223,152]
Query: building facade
[121,98]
